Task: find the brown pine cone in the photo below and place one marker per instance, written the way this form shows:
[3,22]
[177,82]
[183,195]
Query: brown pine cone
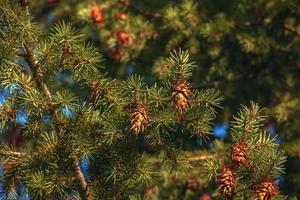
[226,181]
[124,38]
[122,16]
[180,94]
[97,16]
[205,196]
[139,119]
[239,153]
[265,190]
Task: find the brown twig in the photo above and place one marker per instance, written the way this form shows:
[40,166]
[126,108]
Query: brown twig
[37,75]
[201,158]
[292,29]
[12,153]
[85,189]
[35,69]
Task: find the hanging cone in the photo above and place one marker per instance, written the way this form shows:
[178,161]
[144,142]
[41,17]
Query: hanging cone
[180,94]
[205,196]
[97,16]
[226,181]
[265,190]
[124,38]
[139,119]
[239,153]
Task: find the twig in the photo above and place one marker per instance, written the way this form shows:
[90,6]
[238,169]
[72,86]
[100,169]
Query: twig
[37,75]
[201,158]
[35,69]
[85,189]
[12,153]
[292,29]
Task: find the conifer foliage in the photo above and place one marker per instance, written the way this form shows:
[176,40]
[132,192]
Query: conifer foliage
[112,124]
[255,162]
[102,125]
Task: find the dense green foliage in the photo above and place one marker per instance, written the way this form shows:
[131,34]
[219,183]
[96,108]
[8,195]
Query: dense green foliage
[134,130]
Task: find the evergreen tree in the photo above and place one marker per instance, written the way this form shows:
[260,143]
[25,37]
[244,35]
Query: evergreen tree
[248,50]
[128,132]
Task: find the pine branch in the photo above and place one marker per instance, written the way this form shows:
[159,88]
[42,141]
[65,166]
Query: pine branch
[35,68]
[85,189]
[37,75]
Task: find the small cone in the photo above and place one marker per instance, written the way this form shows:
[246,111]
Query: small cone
[239,153]
[205,196]
[139,119]
[122,16]
[97,16]
[124,38]
[226,181]
[265,190]
[180,94]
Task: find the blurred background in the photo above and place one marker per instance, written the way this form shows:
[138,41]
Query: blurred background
[250,50]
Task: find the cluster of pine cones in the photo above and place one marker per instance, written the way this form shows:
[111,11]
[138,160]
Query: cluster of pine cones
[180,98]
[97,17]
[227,181]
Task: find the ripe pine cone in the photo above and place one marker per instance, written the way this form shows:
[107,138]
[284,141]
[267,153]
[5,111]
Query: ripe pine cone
[124,38]
[205,196]
[122,16]
[97,16]
[180,94]
[226,181]
[239,153]
[265,190]
[139,119]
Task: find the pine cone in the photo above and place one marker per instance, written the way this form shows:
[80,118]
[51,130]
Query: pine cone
[239,153]
[180,94]
[124,38]
[226,181]
[205,196]
[139,119]
[97,16]
[265,190]
[122,16]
